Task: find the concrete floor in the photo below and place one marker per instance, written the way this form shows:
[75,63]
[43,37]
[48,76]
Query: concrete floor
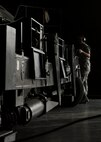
[81,123]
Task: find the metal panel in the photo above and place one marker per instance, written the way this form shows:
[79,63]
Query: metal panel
[10,58]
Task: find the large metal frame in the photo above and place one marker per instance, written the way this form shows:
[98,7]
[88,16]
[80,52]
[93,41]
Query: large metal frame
[36,72]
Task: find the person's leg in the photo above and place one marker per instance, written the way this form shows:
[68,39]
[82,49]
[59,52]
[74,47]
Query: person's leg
[85,87]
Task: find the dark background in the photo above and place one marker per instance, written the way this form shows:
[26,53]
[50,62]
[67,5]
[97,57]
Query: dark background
[76,17]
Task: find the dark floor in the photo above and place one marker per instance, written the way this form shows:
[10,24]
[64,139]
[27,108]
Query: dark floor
[81,123]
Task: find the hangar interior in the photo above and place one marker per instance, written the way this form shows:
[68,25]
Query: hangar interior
[41,74]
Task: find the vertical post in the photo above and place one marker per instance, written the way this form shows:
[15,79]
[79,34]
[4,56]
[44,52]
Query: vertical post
[73,71]
[57,63]
[21,35]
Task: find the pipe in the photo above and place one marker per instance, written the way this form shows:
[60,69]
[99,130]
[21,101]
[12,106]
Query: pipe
[33,108]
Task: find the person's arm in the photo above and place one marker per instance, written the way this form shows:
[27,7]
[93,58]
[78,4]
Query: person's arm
[85,53]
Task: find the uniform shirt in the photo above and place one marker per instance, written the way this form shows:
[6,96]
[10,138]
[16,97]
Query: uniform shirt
[83,59]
